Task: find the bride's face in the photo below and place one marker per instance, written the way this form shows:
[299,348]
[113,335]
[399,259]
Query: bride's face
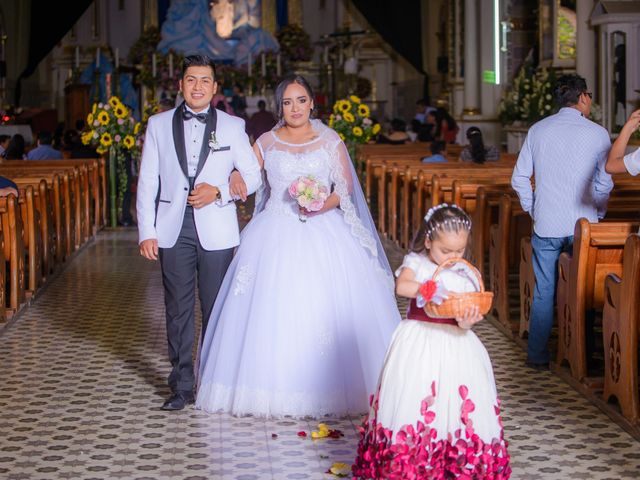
[296,105]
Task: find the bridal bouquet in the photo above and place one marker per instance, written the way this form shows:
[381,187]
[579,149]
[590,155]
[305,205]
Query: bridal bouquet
[309,193]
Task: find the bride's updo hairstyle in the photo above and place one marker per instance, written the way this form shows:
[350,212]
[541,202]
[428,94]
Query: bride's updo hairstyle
[282,86]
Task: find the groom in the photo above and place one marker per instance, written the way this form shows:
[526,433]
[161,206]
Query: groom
[186,216]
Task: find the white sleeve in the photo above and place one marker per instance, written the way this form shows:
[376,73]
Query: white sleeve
[246,162]
[411,261]
[632,162]
[148,183]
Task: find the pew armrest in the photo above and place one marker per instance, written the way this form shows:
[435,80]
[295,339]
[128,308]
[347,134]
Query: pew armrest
[612,289]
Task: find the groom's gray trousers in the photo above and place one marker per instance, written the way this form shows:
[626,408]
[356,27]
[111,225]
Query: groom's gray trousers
[181,265]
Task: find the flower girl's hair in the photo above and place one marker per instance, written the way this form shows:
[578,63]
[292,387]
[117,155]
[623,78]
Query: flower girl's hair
[443,217]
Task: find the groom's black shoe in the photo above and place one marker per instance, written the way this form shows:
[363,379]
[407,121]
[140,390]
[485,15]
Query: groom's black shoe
[179,400]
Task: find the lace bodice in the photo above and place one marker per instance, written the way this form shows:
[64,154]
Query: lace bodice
[326,158]
[284,162]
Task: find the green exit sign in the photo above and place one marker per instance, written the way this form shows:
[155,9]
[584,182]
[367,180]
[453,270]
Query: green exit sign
[489,76]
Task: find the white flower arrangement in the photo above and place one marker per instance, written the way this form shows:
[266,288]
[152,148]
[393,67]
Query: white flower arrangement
[213,142]
[530,97]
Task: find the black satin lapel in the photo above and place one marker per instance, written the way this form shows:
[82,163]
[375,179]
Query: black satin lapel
[178,139]
[212,121]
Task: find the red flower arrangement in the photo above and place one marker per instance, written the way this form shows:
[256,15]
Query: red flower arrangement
[428,290]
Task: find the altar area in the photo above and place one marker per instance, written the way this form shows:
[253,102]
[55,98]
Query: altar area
[253,42]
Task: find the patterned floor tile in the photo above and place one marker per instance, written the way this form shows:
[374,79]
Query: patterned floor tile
[84,374]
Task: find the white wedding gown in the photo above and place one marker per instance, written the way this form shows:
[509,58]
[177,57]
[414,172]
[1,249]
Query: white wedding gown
[306,310]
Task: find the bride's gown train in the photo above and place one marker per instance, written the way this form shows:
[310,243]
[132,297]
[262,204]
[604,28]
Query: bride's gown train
[306,310]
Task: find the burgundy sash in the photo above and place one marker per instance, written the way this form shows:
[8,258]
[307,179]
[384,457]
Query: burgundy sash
[416,313]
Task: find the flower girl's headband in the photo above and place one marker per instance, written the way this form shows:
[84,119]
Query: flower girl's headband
[454,223]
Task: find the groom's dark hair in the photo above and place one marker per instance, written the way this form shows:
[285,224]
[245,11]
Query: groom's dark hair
[282,86]
[198,61]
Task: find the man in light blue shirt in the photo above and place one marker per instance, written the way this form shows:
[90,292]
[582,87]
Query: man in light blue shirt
[566,154]
[44,150]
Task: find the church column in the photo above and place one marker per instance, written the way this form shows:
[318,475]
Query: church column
[150,13]
[456,60]
[471,59]
[586,44]
[294,10]
[269,16]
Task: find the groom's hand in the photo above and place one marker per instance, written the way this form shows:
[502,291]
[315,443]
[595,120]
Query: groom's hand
[202,195]
[149,249]
[237,187]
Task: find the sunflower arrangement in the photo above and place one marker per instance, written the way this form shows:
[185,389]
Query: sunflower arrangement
[350,119]
[111,125]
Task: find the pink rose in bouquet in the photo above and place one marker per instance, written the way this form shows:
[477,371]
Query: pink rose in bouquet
[309,193]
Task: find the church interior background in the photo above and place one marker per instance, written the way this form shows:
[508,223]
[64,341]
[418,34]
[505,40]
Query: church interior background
[67,412]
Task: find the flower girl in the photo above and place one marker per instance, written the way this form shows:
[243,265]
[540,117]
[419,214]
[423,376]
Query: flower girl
[435,413]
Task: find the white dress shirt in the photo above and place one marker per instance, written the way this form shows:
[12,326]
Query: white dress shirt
[193,137]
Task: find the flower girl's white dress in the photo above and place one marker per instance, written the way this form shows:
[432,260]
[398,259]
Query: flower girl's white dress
[435,413]
[306,310]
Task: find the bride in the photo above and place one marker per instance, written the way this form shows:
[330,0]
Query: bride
[307,309]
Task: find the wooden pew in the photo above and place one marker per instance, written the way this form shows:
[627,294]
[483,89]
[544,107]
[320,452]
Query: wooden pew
[83,190]
[96,183]
[597,252]
[14,255]
[60,205]
[622,206]
[74,221]
[406,192]
[32,239]
[620,332]
[484,214]
[512,225]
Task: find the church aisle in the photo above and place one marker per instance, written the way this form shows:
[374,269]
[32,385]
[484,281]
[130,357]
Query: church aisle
[83,377]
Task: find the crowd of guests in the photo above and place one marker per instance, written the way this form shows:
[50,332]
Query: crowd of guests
[436,126]
[47,147]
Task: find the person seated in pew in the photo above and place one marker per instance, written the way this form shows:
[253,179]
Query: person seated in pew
[446,127]
[4,143]
[476,151]
[75,147]
[422,131]
[16,148]
[398,134]
[617,161]
[437,147]
[44,150]
[7,187]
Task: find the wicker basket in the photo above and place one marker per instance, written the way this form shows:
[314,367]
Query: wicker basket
[456,303]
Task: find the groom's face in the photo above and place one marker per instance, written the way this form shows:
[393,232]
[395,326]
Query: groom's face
[198,87]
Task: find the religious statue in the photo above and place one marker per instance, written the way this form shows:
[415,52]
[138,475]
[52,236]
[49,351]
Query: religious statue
[222,13]
[226,30]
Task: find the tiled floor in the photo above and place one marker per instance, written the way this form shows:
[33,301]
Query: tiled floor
[83,372]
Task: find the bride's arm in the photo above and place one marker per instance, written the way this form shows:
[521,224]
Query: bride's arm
[343,170]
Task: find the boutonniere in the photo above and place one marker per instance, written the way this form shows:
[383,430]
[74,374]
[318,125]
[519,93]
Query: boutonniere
[213,142]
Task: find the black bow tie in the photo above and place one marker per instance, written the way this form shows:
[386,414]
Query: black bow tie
[188,115]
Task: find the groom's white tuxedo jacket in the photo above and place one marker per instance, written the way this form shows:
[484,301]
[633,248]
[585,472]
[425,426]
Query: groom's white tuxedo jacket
[163,176]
